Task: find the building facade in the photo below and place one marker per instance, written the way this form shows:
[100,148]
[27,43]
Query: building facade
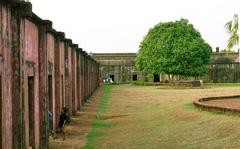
[120,67]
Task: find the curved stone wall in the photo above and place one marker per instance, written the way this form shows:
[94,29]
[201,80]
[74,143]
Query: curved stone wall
[208,107]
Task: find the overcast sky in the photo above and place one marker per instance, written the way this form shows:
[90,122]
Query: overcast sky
[120,25]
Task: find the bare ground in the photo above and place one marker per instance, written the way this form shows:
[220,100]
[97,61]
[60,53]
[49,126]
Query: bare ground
[80,125]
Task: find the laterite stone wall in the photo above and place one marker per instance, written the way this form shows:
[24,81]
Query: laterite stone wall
[41,71]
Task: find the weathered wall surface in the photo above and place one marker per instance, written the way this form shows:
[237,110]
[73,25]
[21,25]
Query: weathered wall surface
[121,66]
[51,79]
[31,69]
[40,72]
[233,55]
[6,80]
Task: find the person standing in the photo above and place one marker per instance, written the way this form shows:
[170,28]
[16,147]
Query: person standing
[62,122]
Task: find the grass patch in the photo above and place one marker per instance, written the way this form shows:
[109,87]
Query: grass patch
[189,106]
[96,131]
[94,134]
[213,85]
[101,124]
[142,83]
[104,102]
[169,86]
[88,146]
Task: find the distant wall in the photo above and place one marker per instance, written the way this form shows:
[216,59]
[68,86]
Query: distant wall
[119,65]
[223,73]
[232,55]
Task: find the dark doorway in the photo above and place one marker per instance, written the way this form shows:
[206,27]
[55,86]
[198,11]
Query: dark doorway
[112,77]
[50,101]
[0,112]
[156,78]
[31,110]
[134,77]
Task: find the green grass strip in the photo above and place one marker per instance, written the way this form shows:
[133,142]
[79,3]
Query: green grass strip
[104,102]
[96,131]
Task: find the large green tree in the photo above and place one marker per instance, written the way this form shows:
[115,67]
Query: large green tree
[174,48]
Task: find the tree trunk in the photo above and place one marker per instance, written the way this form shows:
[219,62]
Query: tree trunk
[172,77]
[169,77]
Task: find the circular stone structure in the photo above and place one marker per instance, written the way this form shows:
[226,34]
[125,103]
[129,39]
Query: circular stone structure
[222,104]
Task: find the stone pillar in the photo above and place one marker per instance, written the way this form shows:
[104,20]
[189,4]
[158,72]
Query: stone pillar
[15,70]
[8,43]
[82,78]
[68,74]
[51,35]
[58,38]
[74,78]
[43,79]
[78,78]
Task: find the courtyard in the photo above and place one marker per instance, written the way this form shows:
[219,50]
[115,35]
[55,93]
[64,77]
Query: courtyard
[152,58]
[160,117]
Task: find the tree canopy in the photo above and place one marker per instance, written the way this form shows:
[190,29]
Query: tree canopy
[174,48]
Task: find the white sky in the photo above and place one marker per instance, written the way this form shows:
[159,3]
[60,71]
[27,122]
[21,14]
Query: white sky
[120,25]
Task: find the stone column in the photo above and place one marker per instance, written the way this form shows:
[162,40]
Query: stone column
[43,96]
[15,70]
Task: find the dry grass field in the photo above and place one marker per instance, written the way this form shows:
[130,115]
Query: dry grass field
[140,117]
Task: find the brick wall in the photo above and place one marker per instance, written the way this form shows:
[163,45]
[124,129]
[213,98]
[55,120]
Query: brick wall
[40,71]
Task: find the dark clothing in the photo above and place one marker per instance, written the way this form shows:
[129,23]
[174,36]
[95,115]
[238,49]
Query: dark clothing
[63,119]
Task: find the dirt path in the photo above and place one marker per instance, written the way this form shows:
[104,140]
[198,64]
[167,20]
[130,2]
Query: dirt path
[80,125]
